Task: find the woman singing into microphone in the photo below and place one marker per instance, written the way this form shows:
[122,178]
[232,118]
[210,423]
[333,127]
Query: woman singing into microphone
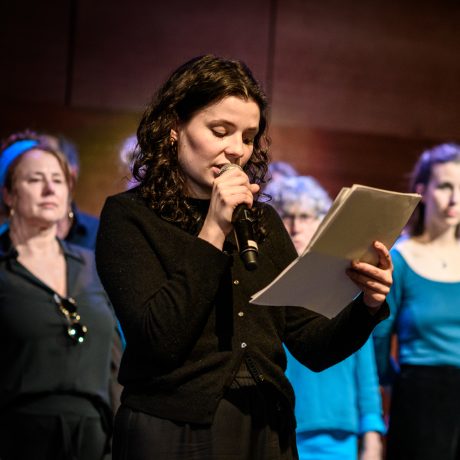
[203,370]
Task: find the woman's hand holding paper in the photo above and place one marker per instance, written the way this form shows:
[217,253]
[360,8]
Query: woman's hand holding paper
[374,281]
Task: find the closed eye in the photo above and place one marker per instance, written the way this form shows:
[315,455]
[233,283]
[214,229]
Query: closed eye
[219,133]
[249,141]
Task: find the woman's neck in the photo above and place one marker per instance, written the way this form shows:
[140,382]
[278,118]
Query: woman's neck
[30,239]
[438,237]
[64,226]
[435,258]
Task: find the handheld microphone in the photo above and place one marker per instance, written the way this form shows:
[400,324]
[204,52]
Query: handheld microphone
[244,233]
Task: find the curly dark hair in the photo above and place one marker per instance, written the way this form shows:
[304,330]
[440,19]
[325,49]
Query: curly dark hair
[198,83]
[443,153]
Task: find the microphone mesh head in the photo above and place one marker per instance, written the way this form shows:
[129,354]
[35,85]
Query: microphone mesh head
[228,166]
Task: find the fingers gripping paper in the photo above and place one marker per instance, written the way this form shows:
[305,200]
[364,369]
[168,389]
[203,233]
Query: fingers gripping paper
[359,216]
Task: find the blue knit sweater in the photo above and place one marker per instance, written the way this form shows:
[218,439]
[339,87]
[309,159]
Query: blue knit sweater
[344,397]
[425,315]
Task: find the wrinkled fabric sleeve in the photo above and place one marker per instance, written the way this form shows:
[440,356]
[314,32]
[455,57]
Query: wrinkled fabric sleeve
[369,399]
[320,342]
[314,340]
[164,312]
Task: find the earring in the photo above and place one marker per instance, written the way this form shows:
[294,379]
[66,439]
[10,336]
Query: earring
[11,213]
[173,145]
[70,214]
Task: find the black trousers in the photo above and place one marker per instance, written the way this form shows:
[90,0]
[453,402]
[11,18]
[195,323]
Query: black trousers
[425,414]
[246,426]
[51,437]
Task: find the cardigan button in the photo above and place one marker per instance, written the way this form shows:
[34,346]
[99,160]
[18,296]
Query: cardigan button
[244,345]
[241,314]
[236,282]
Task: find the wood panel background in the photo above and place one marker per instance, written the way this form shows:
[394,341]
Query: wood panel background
[357,89]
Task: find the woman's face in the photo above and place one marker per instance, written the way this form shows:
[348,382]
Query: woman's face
[441,196]
[301,225]
[40,193]
[221,133]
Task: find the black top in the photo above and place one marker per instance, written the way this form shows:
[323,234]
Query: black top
[37,358]
[184,307]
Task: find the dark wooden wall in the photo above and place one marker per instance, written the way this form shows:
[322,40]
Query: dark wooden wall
[357,88]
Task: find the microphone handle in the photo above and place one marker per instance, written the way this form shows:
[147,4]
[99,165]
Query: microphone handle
[244,235]
[242,225]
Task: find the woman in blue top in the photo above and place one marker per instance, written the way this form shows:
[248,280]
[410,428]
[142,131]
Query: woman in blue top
[340,404]
[425,317]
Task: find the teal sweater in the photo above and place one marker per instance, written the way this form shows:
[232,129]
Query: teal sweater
[344,397]
[425,315]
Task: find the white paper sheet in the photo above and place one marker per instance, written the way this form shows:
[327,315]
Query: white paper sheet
[359,216]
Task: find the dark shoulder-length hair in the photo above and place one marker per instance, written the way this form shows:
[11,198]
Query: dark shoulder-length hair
[198,83]
[421,174]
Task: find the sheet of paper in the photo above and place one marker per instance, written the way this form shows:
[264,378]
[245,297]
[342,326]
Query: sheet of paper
[317,279]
